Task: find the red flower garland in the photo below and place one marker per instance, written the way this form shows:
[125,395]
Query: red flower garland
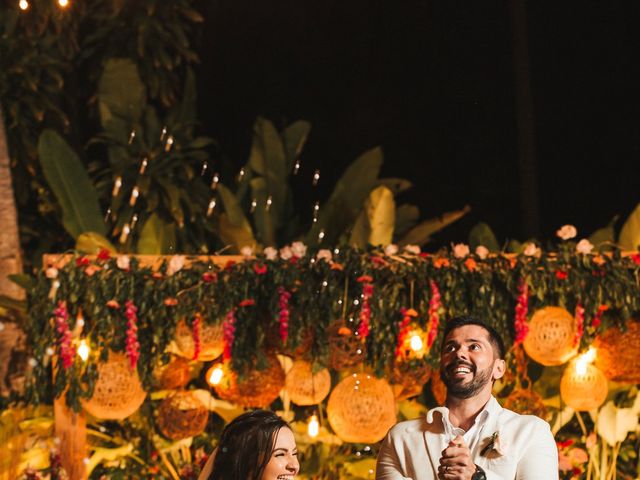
[195,333]
[132,345]
[579,323]
[228,333]
[597,318]
[66,348]
[403,328]
[435,304]
[522,309]
[365,310]
[283,317]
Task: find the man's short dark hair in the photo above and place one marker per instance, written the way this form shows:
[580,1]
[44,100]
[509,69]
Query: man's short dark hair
[494,337]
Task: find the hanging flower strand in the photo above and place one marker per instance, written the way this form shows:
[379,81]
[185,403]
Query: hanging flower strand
[132,344]
[195,333]
[228,333]
[67,351]
[522,309]
[579,314]
[365,310]
[283,316]
[404,327]
[435,304]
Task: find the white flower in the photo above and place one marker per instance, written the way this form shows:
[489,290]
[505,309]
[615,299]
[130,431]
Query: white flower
[495,444]
[286,253]
[123,262]
[51,272]
[175,264]
[531,250]
[246,251]
[49,351]
[391,249]
[414,249]
[567,232]
[584,246]
[460,250]
[299,249]
[482,251]
[271,253]
[32,362]
[324,254]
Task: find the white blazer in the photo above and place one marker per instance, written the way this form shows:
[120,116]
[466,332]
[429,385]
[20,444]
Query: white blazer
[412,449]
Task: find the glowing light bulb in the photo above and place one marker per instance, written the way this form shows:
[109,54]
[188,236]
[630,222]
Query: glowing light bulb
[584,360]
[416,343]
[83,350]
[63,3]
[23,4]
[215,375]
[313,427]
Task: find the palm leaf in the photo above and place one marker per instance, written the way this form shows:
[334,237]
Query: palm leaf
[420,234]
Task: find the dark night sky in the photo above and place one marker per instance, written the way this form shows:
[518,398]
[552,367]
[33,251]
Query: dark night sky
[433,83]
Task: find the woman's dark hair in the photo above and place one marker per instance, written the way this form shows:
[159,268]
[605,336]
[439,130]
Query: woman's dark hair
[246,445]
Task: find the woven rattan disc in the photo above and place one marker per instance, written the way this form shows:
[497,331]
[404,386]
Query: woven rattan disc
[258,388]
[174,375]
[438,388]
[304,386]
[361,408]
[409,377]
[211,341]
[551,337]
[118,392]
[181,415]
[526,402]
[617,353]
[346,349]
[583,391]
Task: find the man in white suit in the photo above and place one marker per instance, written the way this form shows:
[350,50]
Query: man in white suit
[472,437]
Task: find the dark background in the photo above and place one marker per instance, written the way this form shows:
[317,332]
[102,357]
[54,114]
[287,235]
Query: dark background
[433,82]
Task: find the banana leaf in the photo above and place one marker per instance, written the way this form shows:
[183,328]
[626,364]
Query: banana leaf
[420,234]
[396,185]
[121,93]
[347,199]
[263,218]
[375,223]
[294,137]
[92,243]
[605,234]
[630,233]
[71,185]
[157,237]
[407,217]
[481,234]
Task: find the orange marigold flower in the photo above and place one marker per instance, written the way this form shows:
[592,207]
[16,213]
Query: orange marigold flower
[247,303]
[91,269]
[344,332]
[170,302]
[471,264]
[113,304]
[365,279]
[411,313]
[441,262]
[337,266]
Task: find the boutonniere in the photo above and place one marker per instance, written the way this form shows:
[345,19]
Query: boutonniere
[495,447]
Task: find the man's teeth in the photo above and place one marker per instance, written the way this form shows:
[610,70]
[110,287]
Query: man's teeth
[285,477]
[462,370]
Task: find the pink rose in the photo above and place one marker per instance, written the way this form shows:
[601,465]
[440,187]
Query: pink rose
[51,272]
[299,249]
[123,262]
[325,255]
[391,249]
[270,253]
[246,251]
[413,249]
[286,253]
[482,252]
[584,246]
[175,264]
[531,250]
[567,232]
[460,250]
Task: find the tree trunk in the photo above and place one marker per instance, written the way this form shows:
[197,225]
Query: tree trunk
[11,336]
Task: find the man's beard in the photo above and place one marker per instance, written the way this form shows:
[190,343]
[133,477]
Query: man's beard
[466,390]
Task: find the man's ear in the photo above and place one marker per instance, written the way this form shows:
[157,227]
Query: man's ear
[499,368]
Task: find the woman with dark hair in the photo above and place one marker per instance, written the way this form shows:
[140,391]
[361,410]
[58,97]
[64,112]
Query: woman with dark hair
[257,445]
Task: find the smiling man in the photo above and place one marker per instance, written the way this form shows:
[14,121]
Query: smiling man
[472,437]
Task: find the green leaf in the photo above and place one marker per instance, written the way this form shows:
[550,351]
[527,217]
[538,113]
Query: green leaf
[13,304]
[263,218]
[396,185]
[347,199]
[237,236]
[91,243]
[235,215]
[375,223]
[157,237]
[420,234]
[70,183]
[406,217]
[294,138]
[481,234]
[22,280]
[604,234]
[630,233]
[121,93]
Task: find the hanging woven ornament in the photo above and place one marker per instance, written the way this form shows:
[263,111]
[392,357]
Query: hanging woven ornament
[409,377]
[174,375]
[617,353]
[208,337]
[551,337]
[346,349]
[361,408]
[118,392]
[526,402]
[583,386]
[182,415]
[306,387]
[257,388]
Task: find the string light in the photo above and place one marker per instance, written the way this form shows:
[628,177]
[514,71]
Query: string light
[584,360]
[143,166]
[169,143]
[135,193]
[416,343]
[316,177]
[116,186]
[132,136]
[321,234]
[269,202]
[107,215]
[205,165]
[215,180]
[134,220]
[126,229]
[296,167]
[254,204]
[313,427]
[23,4]
[316,210]
[83,350]
[241,174]
[211,207]
[215,375]
[163,133]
